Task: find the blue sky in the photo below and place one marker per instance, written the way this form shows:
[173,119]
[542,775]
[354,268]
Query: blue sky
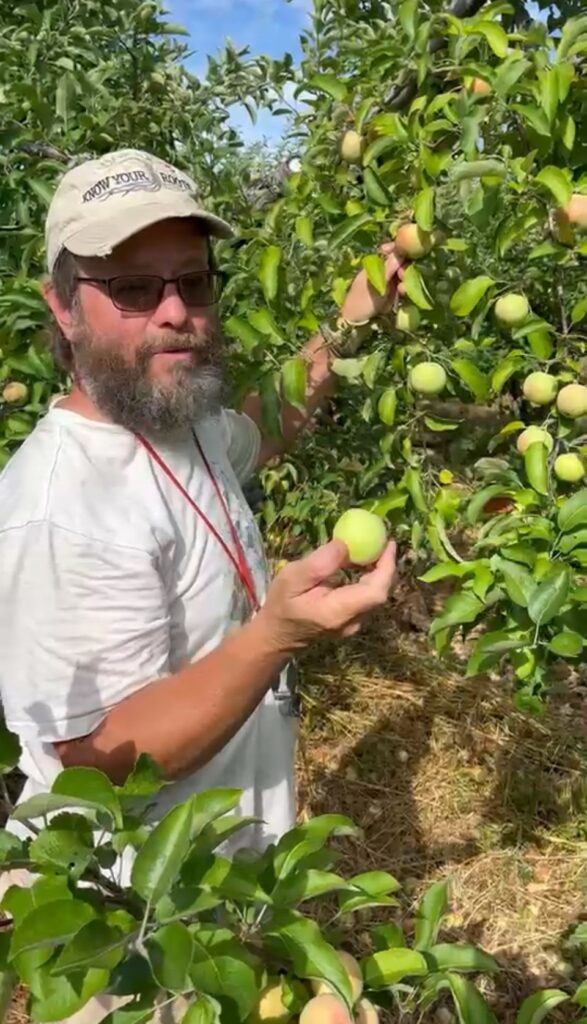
[271,27]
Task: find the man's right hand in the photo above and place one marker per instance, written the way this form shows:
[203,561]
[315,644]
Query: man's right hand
[304,602]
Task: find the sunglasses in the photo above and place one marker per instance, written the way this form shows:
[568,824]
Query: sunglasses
[141,293]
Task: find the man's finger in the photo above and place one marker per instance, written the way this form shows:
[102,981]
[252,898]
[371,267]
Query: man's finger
[356,599]
[317,567]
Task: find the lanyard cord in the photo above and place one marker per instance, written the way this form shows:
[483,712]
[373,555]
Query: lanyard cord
[239,562]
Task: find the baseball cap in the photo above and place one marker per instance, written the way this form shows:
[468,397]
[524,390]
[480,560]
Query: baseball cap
[102,202]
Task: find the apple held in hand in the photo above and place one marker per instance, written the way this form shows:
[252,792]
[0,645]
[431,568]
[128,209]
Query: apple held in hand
[364,534]
[412,242]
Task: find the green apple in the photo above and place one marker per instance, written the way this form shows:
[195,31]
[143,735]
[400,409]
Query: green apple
[407,319]
[540,388]
[569,467]
[364,534]
[572,400]
[512,309]
[427,378]
[534,435]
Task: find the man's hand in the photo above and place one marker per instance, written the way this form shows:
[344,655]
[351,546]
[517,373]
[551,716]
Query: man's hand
[304,603]
[363,302]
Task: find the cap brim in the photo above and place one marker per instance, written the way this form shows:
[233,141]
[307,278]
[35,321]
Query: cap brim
[101,237]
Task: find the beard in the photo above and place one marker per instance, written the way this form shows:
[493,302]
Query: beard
[126,393]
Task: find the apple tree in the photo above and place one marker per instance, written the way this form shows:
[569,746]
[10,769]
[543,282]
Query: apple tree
[462,417]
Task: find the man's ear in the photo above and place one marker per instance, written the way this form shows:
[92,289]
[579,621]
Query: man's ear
[63,315]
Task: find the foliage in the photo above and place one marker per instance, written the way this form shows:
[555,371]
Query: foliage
[194,923]
[484,173]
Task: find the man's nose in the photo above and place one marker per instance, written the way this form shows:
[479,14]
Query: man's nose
[171,311]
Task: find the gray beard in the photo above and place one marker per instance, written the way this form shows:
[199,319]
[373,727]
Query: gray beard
[125,393]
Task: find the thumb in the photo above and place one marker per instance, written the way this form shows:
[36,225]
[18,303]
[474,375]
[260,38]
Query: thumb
[319,565]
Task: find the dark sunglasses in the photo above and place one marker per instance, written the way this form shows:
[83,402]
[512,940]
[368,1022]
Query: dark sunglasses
[140,293]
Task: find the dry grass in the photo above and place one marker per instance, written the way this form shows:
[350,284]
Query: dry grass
[445,778]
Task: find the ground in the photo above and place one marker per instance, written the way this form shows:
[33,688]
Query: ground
[445,778]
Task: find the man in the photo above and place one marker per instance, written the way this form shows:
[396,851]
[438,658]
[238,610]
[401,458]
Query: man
[135,610]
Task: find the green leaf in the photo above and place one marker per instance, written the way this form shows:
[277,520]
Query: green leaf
[51,924]
[330,84]
[495,35]
[579,311]
[537,1006]
[446,569]
[96,944]
[388,936]
[424,209]
[549,92]
[312,957]
[374,188]
[386,407]
[550,595]
[508,73]
[469,294]
[431,910]
[263,322]
[204,1010]
[470,375]
[479,500]
[68,849]
[375,883]
[461,957]
[305,884]
[65,96]
[349,227]
[467,170]
[388,966]
[459,609]
[470,1004]
[519,583]
[413,483]
[535,117]
[57,999]
[91,786]
[408,17]
[557,182]
[159,860]
[170,952]
[573,512]
[306,839]
[239,328]
[10,749]
[304,231]
[415,288]
[566,644]
[293,381]
[269,271]
[536,465]
[374,267]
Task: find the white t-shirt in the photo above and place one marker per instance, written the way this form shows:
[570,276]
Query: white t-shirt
[109,580]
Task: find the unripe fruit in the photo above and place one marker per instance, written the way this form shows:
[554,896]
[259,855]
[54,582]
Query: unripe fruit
[348,962]
[325,1009]
[479,87]
[365,536]
[411,241]
[534,435]
[540,388]
[569,468]
[407,319]
[576,210]
[427,378]
[366,1013]
[270,1006]
[15,392]
[351,147]
[572,400]
[512,309]
[563,230]
[386,407]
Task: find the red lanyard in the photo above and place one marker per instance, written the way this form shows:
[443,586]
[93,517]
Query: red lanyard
[239,560]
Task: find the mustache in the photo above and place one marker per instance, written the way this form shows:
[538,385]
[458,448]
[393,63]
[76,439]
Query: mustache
[208,345]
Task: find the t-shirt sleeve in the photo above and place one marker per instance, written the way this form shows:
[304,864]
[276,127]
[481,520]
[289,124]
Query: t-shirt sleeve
[243,443]
[83,625]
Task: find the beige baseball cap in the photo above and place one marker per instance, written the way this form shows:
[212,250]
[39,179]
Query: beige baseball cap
[100,203]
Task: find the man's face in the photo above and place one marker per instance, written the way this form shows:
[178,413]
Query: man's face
[153,370]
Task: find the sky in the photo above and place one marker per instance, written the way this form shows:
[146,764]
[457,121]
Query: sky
[270,27]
